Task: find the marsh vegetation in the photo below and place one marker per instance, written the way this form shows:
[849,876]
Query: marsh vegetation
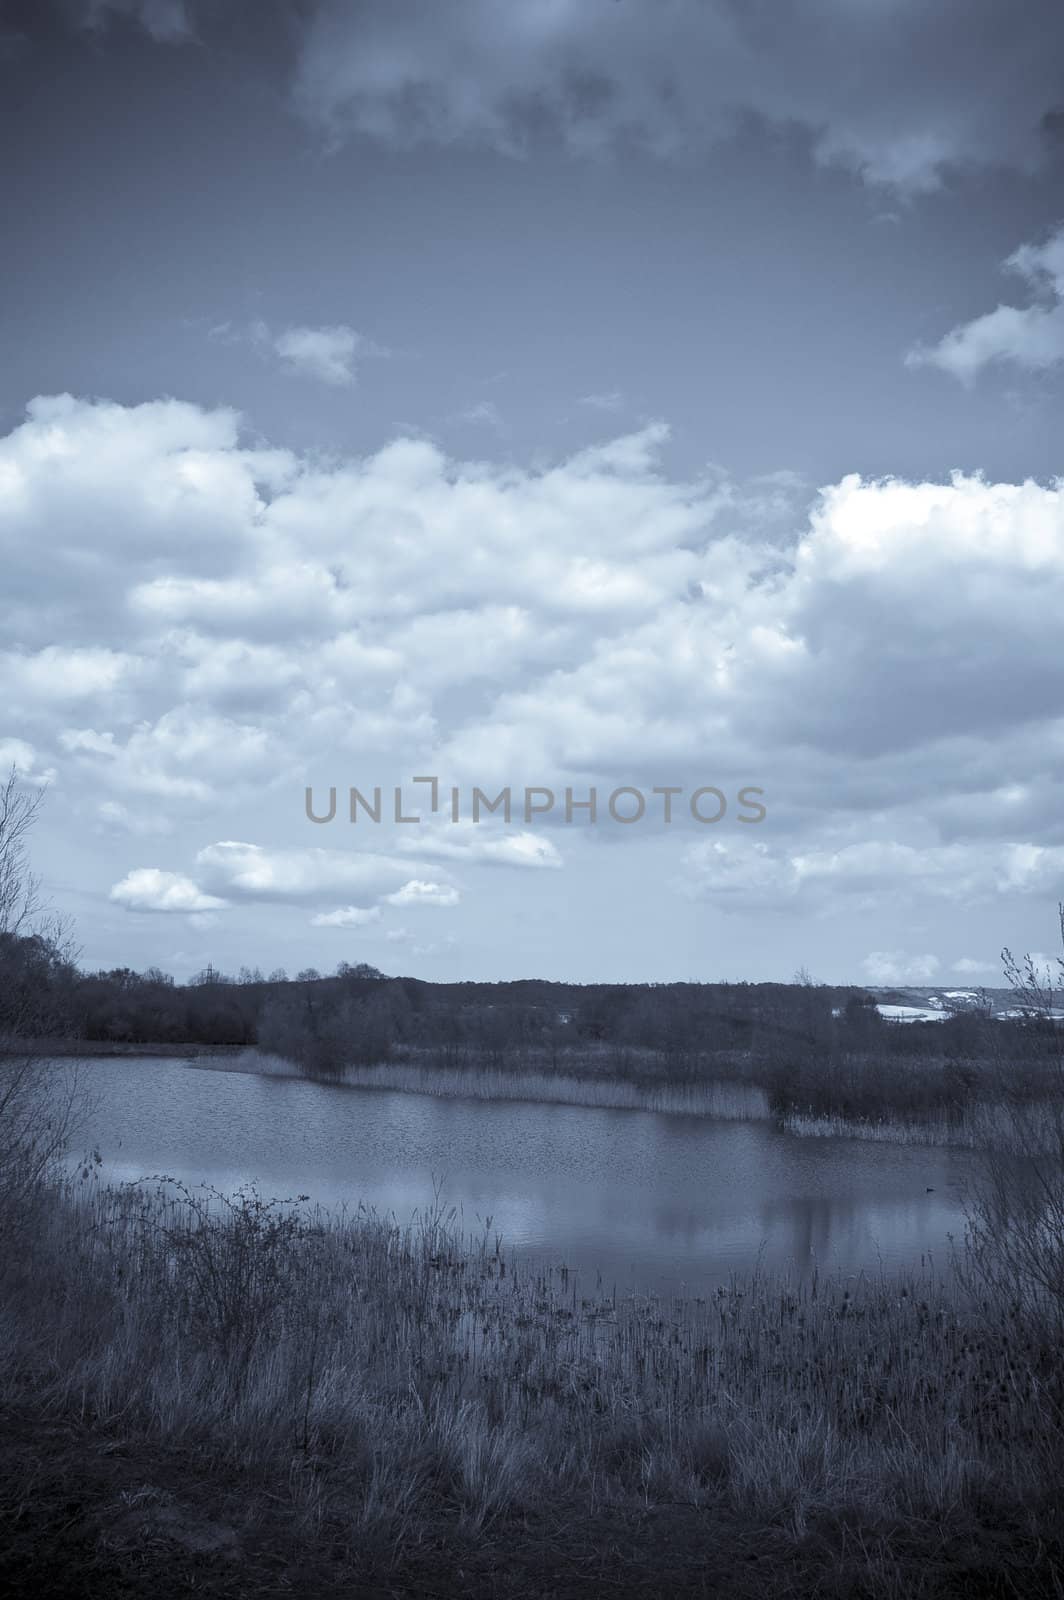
[342,1395]
[239,1395]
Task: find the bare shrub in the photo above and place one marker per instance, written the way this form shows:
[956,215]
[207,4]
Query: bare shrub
[1015,1245]
[221,1264]
[39,1111]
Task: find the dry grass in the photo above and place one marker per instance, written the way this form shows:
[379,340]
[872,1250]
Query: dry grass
[979,1126]
[732,1101]
[395,1381]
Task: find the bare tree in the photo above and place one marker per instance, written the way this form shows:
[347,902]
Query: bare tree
[36,941]
[20,899]
[36,1114]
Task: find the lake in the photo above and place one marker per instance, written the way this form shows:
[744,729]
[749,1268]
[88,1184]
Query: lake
[650,1203]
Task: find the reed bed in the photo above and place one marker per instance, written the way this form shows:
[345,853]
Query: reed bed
[731,1101]
[596,1080]
[386,1376]
[980,1126]
[728,1099]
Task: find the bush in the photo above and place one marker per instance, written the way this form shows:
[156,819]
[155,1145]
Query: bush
[1016,1223]
[221,1265]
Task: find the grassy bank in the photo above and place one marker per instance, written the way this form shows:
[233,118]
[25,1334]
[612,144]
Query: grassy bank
[254,1399]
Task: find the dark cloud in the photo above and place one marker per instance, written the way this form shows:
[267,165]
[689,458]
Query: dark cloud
[900,92]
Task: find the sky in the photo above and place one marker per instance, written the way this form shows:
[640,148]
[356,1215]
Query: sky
[564,395]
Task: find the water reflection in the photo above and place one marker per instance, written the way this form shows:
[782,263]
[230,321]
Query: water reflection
[651,1202]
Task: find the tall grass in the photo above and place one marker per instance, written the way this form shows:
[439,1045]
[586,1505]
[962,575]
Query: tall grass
[977,1126]
[38,1117]
[736,1101]
[391,1376]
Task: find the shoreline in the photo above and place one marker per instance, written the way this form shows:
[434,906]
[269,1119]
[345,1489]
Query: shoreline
[46,1048]
[458,1408]
[984,1126]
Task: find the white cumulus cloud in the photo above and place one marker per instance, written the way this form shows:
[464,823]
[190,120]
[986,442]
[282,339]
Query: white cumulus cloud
[241,622]
[252,872]
[1030,337]
[151,889]
[347,917]
[324,353]
[418,892]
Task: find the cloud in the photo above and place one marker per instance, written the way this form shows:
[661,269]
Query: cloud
[521,850]
[864,83]
[612,400]
[1048,970]
[270,608]
[324,353]
[485,414]
[870,872]
[970,967]
[473,842]
[436,947]
[347,917]
[24,759]
[252,872]
[419,893]
[894,966]
[57,678]
[121,819]
[240,621]
[234,871]
[935,605]
[167,21]
[232,673]
[186,755]
[1031,337]
[110,495]
[150,889]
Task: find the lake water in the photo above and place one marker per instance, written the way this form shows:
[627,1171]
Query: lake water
[653,1203]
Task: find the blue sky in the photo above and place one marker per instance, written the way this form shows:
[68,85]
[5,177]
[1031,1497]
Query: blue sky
[570,395]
